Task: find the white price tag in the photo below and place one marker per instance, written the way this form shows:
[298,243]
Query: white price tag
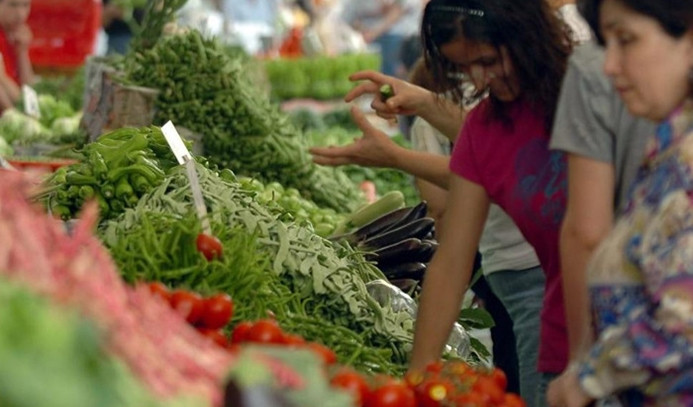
[176,143]
[31,104]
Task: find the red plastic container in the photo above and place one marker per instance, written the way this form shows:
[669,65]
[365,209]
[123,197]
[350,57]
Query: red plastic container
[65,32]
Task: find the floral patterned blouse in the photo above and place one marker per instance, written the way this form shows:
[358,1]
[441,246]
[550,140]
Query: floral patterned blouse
[641,282]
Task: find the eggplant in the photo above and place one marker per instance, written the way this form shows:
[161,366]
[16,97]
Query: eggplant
[417,211]
[417,229]
[400,252]
[414,271]
[374,227]
[428,249]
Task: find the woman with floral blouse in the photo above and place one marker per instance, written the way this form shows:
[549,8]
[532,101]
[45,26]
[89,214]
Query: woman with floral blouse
[641,277]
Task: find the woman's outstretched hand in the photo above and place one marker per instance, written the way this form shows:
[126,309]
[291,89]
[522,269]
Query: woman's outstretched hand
[373,149]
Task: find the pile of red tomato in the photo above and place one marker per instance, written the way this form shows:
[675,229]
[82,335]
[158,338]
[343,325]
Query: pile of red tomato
[208,315]
[211,314]
[441,384]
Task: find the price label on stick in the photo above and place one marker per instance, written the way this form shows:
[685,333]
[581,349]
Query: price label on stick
[176,143]
[185,158]
[31,104]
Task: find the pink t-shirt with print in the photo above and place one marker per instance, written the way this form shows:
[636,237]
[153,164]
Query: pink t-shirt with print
[520,174]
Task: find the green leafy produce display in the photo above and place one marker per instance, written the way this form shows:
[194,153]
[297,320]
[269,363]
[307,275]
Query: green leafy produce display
[319,77]
[204,89]
[51,356]
[385,179]
[315,288]
[288,204]
[66,88]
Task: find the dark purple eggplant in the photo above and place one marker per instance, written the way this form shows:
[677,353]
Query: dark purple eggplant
[416,229]
[374,227]
[417,211]
[428,249]
[415,271]
[400,252]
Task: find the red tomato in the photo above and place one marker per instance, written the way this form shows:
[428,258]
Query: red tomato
[487,388]
[215,335]
[158,289]
[413,378]
[433,392]
[265,331]
[435,367]
[470,400]
[217,311]
[240,332]
[513,400]
[209,246]
[293,340]
[500,378]
[187,304]
[353,383]
[393,394]
[326,354]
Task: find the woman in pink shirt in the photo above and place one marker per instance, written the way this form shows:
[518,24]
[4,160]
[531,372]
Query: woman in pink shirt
[516,51]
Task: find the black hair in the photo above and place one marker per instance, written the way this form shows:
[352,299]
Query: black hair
[674,16]
[537,43]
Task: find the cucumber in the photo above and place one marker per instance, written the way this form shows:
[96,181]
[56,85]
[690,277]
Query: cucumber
[386,92]
[387,203]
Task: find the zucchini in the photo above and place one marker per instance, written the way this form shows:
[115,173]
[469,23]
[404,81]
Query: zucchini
[387,203]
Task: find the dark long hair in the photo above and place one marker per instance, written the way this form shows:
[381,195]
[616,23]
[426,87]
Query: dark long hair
[674,16]
[537,43]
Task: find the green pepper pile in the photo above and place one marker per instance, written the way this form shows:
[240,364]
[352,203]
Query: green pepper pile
[116,170]
[203,89]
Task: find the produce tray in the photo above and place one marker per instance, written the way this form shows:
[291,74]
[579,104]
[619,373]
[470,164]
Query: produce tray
[39,163]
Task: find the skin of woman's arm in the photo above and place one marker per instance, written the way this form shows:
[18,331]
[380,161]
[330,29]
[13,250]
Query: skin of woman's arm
[448,274]
[435,198]
[588,219]
[376,149]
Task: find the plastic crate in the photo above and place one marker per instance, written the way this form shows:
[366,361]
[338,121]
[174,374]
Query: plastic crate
[65,32]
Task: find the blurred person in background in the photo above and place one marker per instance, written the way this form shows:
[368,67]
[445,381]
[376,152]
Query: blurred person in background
[385,23]
[15,39]
[116,26]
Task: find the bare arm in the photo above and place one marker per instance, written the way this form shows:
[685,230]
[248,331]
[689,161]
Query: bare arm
[21,38]
[10,90]
[5,99]
[375,149]
[588,219]
[450,270]
[435,198]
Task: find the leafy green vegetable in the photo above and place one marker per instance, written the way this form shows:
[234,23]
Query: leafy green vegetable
[51,356]
[288,269]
